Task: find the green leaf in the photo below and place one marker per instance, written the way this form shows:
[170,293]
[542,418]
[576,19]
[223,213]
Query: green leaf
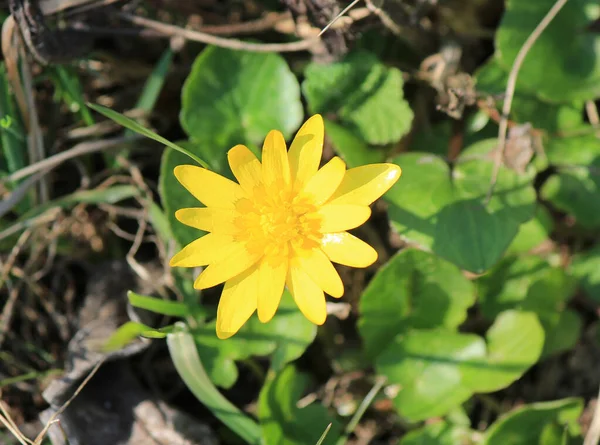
[237,97]
[559,69]
[427,367]
[586,267]
[514,344]
[532,233]
[444,211]
[282,422]
[189,367]
[414,289]
[527,107]
[365,94]
[286,337]
[157,305]
[577,183]
[130,331]
[562,332]
[525,425]
[439,433]
[136,127]
[174,196]
[532,284]
[350,147]
[528,283]
[437,370]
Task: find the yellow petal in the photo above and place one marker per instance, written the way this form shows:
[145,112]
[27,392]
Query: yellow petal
[275,163]
[363,185]
[202,251]
[271,281]
[308,295]
[318,267]
[340,217]
[208,187]
[306,150]
[237,303]
[326,181]
[344,248]
[234,259]
[245,167]
[209,219]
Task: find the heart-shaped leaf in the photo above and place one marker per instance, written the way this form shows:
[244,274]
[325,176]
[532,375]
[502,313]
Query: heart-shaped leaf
[427,367]
[530,283]
[564,62]
[514,344]
[439,433]
[577,184]
[525,425]
[414,289]
[237,97]
[350,147]
[436,370]
[586,267]
[527,107]
[443,210]
[366,95]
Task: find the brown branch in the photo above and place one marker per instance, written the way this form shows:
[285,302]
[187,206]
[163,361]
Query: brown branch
[235,44]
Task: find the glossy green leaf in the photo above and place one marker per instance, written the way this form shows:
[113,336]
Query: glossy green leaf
[586,267]
[444,211]
[514,344]
[190,368]
[237,97]
[282,422]
[528,283]
[438,433]
[138,128]
[157,305]
[577,184]
[563,330]
[492,79]
[350,147]
[284,339]
[366,95]
[414,289]
[525,425]
[437,370]
[532,233]
[427,367]
[532,284]
[559,69]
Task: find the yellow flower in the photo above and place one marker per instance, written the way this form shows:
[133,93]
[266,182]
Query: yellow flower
[282,225]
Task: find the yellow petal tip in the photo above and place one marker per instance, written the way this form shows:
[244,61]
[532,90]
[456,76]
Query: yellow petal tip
[222,335]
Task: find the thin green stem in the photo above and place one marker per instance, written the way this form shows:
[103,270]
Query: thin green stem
[362,408]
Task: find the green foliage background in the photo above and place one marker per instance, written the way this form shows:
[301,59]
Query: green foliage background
[477,295]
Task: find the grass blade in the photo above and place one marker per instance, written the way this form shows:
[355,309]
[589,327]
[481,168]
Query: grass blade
[135,126]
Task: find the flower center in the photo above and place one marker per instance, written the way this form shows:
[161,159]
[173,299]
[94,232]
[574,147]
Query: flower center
[277,221]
